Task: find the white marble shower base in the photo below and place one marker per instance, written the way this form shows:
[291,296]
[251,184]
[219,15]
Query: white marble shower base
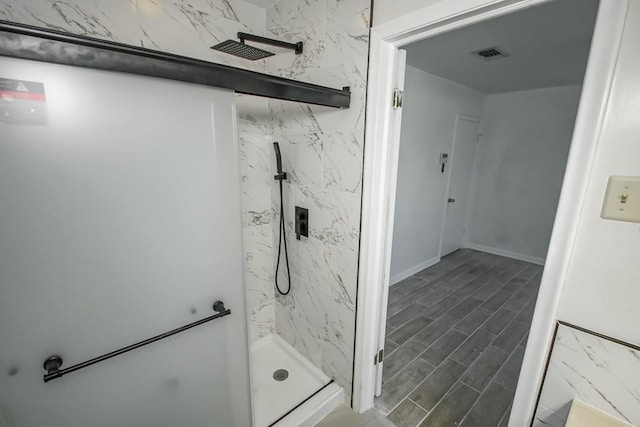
[272,399]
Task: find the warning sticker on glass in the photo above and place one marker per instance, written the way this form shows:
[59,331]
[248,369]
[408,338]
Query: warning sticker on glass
[22,102]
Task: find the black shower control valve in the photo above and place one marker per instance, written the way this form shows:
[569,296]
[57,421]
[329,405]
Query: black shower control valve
[302,222]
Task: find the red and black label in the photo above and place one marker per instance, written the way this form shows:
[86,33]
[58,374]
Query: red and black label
[22,102]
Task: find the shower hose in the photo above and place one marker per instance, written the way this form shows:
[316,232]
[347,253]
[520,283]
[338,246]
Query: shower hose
[283,237]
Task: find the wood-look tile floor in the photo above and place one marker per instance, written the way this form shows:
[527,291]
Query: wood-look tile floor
[456,334]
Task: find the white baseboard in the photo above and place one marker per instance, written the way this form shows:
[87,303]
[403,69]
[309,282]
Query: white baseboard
[508,254]
[413,270]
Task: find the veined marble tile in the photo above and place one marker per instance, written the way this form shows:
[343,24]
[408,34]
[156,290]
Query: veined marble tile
[353,73]
[337,362]
[259,251]
[201,12]
[307,259]
[260,307]
[338,341]
[597,371]
[236,10]
[347,30]
[255,111]
[182,28]
[292,118]
[547,418]
[260,292]
[302,158]
[296,321]
[256,176]
[253,129]
[294,21]
[342,161]
[113,20]
[340,272]
[333,216]
[321,327]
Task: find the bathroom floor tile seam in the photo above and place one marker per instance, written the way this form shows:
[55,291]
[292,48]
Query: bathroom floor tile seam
[446,278]
[523,341]
[494,376]
[426,411]
[506,311]
[504,416]
[391,329]
[428,276]
[423,421]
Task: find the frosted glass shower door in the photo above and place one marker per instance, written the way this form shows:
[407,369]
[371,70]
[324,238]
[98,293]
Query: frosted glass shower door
[119,220]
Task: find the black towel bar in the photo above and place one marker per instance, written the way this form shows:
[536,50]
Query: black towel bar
[53,364]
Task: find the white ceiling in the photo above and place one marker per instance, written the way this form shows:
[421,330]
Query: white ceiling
[548,46]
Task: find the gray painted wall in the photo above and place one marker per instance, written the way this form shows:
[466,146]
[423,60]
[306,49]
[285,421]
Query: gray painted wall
[428,123]
[518,174]
[519,169]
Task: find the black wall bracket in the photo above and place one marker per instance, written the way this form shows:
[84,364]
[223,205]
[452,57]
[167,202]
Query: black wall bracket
[296,47]
[34,43]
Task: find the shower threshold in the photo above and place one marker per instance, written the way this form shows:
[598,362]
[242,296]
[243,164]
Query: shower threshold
[276,393]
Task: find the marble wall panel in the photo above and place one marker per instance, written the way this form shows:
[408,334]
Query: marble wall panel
[186,28]
[334,217]
[294,21]
[346,30]
[320,326]
[325,152]
[595,370]
[342,161]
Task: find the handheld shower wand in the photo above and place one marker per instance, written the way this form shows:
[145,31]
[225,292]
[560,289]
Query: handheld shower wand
[281,176]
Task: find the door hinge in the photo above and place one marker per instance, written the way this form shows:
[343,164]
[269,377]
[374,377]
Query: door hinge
[379,357]
[397,98]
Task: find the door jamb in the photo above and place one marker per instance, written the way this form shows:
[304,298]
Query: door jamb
[378,184]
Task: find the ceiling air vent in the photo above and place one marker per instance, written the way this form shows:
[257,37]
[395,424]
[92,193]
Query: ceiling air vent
[490,53]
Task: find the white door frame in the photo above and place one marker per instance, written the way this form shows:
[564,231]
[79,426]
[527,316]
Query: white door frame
[452,156]
[379,182]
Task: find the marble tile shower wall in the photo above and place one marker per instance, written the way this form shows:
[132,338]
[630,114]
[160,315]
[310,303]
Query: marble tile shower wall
[322,147]
[600,372]
[322,151]
[256,159]
[185,28]
[189,28]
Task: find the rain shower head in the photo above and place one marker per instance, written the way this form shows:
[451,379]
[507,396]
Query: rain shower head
[242,50]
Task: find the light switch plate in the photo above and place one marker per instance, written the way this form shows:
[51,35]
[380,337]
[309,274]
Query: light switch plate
[622,199]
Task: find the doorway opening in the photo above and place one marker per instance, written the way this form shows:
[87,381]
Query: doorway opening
[473,169]
[488,115]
